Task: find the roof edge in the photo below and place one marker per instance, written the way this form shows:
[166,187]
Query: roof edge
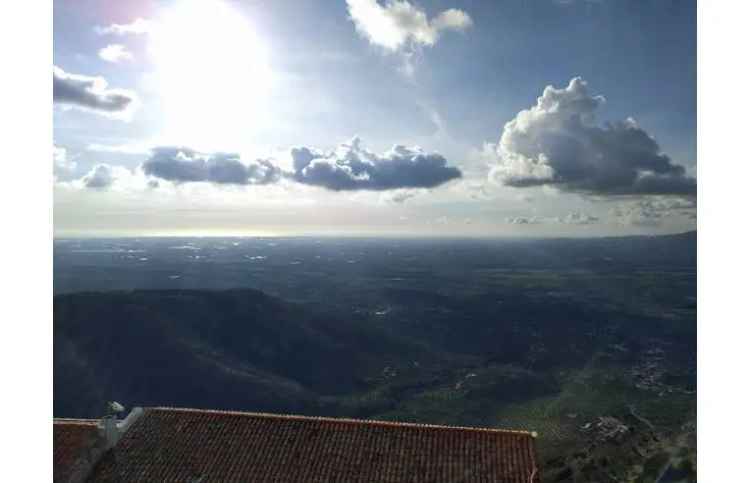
[74,421]
[371,422]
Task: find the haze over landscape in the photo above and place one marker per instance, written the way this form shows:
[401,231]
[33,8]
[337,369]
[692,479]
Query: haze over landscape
[475,213]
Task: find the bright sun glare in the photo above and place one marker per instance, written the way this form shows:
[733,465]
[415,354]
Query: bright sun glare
[212,72]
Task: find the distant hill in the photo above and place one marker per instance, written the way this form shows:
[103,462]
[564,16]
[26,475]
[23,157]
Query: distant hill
[229,349]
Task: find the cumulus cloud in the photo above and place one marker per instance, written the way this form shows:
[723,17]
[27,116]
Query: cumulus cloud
[100,177]
[184,165]
[397,24]
[115,53]
[138,26]
[558,143]
[352,167]
[654,211]
[107,177]
[399,174]
[90,93]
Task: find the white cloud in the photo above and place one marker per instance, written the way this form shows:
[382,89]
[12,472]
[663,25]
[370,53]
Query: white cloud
[398,24]
[62,164]
[115,53]
[557,143]
[452,19]
[134,148]
[138,26]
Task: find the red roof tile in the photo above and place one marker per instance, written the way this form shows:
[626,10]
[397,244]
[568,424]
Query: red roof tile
[71,439]
[181,445]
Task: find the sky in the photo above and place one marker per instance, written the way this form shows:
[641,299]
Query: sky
[454,118]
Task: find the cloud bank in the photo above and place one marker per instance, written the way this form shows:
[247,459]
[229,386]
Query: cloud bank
[90,93]
[654,211]
[184,165]
[400,173]
[572,218]
[352,167]
[557,143]
[397,23]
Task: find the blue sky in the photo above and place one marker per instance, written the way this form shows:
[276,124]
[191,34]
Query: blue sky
[260,78]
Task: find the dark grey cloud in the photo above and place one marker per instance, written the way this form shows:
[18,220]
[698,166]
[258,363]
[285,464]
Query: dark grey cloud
[403,172]
[100,177]
[184,165]
[89,93]
[352,167]
[558,143]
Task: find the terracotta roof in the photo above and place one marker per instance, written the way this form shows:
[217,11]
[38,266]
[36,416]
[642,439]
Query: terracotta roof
[181,445]
[71,439]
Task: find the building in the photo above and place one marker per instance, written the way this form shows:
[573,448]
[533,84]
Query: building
[188,445]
